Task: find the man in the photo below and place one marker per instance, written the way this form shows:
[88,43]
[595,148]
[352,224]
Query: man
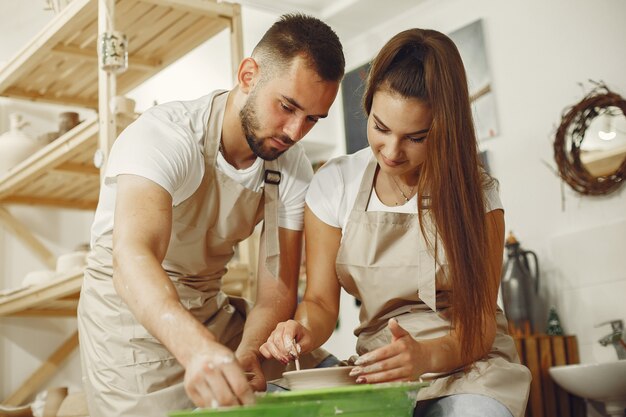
[184,184]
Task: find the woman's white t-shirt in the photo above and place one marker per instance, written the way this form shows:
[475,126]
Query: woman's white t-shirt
[335,185]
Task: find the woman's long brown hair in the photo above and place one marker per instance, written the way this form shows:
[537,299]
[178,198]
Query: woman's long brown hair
[426,65]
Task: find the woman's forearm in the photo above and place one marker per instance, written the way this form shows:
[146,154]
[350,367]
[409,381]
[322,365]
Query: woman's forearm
[445,354]
[319,319]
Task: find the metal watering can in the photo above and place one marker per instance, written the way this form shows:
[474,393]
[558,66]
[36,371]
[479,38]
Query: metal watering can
[519,286]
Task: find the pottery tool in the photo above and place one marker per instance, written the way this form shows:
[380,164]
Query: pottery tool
[295,350]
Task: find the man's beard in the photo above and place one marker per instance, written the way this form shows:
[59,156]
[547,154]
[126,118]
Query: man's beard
[250,125]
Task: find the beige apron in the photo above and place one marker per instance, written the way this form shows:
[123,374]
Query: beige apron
[384,261]
[128,372]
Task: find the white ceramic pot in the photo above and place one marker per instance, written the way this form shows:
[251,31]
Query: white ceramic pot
[15,145]
[38,278]
[71,261]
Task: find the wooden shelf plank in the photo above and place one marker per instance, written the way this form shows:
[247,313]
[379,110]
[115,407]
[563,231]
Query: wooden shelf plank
[52,202]
[42,179]
[49,157]
[41,312]
[209,8]
[39,295]
[59,297]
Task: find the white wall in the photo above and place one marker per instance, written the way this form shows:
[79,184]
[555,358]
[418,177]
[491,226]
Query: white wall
[204,69]
[538,51]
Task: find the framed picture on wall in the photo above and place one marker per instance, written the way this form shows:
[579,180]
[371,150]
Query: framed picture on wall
[354,119]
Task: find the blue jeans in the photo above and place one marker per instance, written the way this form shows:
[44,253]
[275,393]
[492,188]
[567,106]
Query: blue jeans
[462,405]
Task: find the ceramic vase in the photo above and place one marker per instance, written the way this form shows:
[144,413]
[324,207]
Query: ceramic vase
[15,145]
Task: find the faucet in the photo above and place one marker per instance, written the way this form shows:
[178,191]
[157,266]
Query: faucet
[615,338]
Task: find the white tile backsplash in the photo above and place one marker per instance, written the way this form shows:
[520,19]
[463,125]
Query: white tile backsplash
[592,256]
[583,309]
[588,284]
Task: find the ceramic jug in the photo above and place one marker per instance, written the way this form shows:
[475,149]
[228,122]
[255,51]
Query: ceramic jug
[15,145]
[67,121]
[519,285]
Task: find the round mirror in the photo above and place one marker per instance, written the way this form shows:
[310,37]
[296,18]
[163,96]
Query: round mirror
[603,148]
[590,143]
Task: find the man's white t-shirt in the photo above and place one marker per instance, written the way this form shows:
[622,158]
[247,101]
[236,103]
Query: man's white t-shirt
[166,146]
[334,188]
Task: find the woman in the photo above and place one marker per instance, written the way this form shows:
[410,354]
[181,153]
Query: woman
[414,229]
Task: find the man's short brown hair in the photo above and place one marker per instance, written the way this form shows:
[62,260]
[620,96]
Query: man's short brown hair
[301,35]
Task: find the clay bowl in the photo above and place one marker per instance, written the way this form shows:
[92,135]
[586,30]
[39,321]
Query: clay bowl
[319,378]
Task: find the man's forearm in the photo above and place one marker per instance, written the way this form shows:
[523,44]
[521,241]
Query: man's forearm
[152,298]
[261,321]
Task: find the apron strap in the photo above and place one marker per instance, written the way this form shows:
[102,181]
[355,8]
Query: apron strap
[270,191]
[427,277]
[366,187]
[213,136]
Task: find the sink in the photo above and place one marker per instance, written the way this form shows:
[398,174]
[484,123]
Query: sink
[605,382]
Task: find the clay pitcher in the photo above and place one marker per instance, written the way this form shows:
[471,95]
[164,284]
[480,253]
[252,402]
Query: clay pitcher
[520,286]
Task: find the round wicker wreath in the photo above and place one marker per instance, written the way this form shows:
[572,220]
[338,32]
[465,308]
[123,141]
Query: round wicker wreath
[574,124]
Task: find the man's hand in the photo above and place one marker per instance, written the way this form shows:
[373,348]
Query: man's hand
[214,378]
[250,363]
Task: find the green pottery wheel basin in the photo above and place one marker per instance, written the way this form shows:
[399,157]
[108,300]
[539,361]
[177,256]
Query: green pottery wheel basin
[258,410]
[367,400]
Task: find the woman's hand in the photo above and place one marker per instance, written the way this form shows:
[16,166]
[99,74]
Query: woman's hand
[287,342]
[398,361]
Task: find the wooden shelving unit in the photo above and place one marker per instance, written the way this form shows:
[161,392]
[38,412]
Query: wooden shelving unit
[61,66]
[60,175]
